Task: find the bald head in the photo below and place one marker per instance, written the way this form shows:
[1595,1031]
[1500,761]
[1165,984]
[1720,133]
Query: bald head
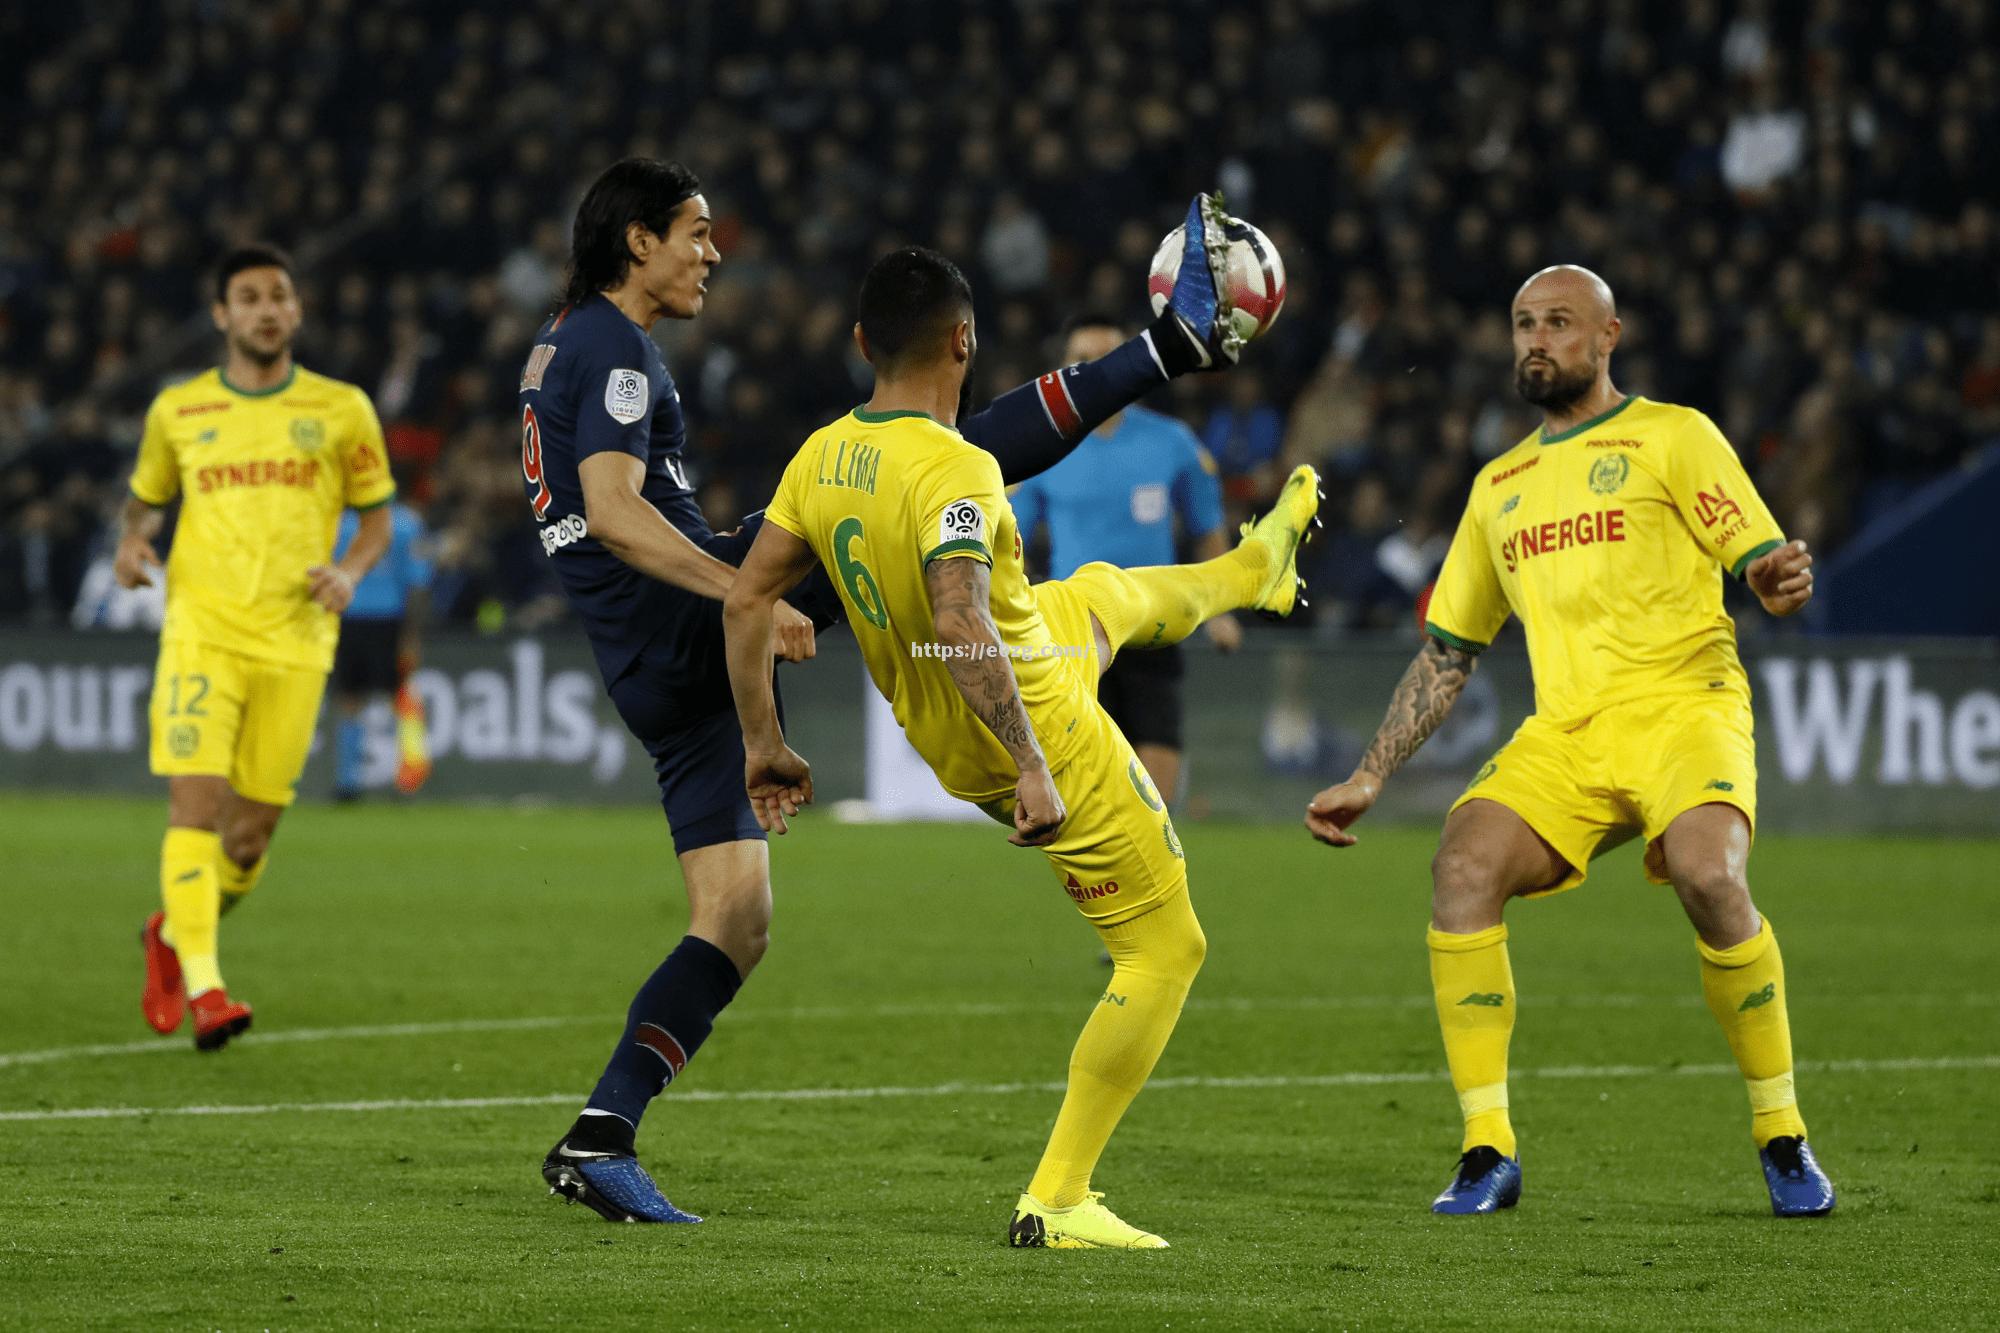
[1571,283]
[1565,327]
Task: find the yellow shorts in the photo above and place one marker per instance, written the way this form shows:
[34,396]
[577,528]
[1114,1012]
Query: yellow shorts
[1118,856]
[217,713]
[1628,771]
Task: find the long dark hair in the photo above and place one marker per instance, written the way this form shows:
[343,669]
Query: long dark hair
[637,189]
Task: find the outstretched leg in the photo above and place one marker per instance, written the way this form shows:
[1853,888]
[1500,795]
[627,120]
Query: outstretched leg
[1163,604]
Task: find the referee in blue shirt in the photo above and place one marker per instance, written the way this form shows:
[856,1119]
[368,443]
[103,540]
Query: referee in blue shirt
[382,625]
[1116,499]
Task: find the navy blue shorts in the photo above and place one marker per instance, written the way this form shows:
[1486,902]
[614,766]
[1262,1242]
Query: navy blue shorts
[675,699]
[699,764]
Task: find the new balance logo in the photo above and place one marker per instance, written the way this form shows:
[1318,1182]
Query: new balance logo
[1758,999]
[1491,999]
[1109,998]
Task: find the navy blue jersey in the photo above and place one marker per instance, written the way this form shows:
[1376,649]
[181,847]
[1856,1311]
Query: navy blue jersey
[595,382]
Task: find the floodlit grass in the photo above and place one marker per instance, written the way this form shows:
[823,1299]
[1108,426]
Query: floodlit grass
[433,956]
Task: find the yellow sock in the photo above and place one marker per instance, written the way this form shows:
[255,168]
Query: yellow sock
[1155,958]
[190,891]
[1474,986]
[1163,604]
[1745,987]
[236,881]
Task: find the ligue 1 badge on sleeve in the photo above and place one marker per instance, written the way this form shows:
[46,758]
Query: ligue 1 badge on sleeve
[962,520]
[625,396]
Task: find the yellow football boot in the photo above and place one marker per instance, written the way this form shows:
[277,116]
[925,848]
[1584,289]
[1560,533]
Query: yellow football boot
[1087,1226]
[1283,530]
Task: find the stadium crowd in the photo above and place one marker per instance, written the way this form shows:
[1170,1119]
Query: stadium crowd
[1790,199]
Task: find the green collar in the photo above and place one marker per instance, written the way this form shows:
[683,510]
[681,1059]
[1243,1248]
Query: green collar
[877,418]
[1591,424]
[279,387]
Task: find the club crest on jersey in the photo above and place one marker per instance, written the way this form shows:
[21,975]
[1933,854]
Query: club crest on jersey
[1508,507]
[1142,782]
[309,434]
[625,396]
[1608,473]
[962,521]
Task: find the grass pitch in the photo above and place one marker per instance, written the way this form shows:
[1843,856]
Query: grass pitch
[436,988]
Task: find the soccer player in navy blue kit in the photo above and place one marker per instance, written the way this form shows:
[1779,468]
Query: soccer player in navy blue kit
[1116,499]
[601,456]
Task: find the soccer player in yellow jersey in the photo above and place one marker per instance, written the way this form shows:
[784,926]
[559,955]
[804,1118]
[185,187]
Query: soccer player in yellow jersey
[1608,532]
[995,684]
[264,456]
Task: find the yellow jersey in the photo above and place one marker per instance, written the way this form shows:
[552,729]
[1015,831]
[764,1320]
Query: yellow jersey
[878,497]
[1608,540]
[263,477]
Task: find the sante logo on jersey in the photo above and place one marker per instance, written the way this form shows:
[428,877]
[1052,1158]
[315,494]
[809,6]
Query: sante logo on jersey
[625,396]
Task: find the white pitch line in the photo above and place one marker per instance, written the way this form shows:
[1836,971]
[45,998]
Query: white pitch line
[162,1046]
[1355,1079]
[963,1009]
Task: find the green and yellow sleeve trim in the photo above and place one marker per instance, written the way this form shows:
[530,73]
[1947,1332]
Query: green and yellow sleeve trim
[1755,553]
[962,546]
[1450,640]
[373,504]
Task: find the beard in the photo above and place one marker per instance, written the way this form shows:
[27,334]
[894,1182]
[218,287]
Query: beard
[1554,389]
[252,352]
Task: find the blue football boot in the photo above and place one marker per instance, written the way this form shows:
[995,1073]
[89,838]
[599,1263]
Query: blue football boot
[1798,1187]
[1201,296]
[614,1184]
[1486,1182]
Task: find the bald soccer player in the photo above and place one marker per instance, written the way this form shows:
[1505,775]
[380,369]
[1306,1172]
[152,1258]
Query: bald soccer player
[1607,532]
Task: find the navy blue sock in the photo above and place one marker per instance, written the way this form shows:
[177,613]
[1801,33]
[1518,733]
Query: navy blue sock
[670,1018]
[1032,428]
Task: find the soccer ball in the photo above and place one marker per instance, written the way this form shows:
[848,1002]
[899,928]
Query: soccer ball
[1253,276]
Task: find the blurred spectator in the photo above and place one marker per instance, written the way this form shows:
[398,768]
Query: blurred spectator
[1244,435]
[1791,201]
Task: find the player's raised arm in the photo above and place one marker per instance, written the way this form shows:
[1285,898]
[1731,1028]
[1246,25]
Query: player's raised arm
[778,781]
[959,588]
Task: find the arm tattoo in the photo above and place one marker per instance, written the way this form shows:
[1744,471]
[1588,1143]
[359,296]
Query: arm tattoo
[983,674]
[1424,696]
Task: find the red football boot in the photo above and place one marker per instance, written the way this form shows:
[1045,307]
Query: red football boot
[217,1018]
[165,1000]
